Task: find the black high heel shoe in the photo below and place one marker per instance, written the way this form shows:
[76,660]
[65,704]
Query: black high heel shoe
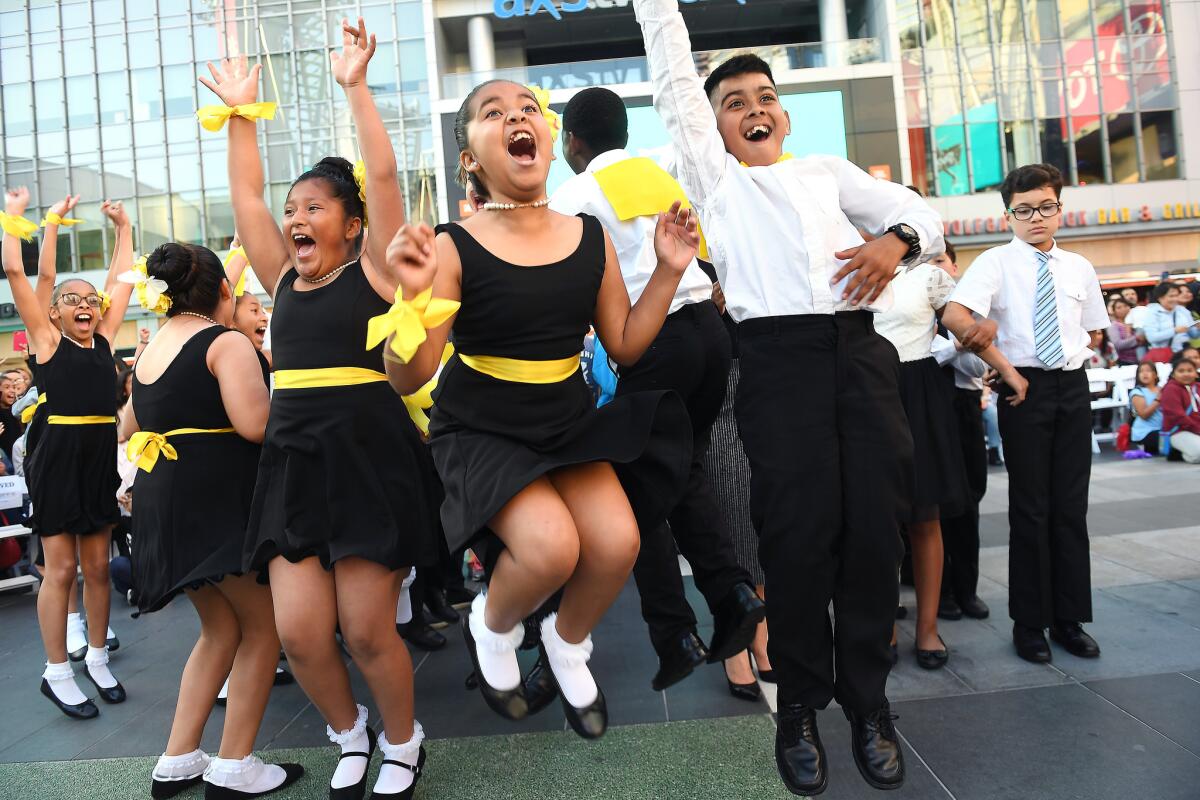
[591,721]
[745,691]
[85,710]
[509,703]
[764,675]
[416,771]
[115,694]
[357,790]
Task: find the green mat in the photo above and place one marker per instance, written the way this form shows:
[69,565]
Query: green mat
[729,757]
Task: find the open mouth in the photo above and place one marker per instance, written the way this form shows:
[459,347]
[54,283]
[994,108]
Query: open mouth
[305,246]
[261,332]
[758,133]
[522,147]
[83,319]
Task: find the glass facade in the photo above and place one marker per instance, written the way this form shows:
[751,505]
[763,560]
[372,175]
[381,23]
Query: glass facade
[99,99]
[1082,84]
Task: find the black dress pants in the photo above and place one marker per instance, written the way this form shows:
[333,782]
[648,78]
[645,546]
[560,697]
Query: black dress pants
[960,534]
[831,460]
[1048,453]
[690,356]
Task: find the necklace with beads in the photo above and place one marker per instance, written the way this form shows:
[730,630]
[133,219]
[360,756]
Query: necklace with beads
[489,206]
[329,275]
[197,316]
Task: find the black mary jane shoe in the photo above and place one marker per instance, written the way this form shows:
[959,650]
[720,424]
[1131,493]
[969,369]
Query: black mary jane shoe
[509,703]
[799,754]
[162,790]
[416,771]
[292,772]
[591,721]
[932,659]
[540,688]
[735,621]
[420,635]
[114,695]
[876,747]
[357,790]
[85,710]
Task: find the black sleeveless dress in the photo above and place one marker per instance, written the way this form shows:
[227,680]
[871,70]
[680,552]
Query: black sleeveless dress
[340,473]
[491,438]
[37,423]
[72,476]
[189,528]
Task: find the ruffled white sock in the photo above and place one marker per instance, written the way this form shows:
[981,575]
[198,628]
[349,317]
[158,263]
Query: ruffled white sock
[76,637]
[404,604]
[96,663]
[393,779]
[497,652]
[61,679]
[350,770]
[181,767]
[224,693]
[569,664]
[249,774]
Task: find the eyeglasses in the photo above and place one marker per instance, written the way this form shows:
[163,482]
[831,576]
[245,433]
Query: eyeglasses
[1045,210]
[73,299]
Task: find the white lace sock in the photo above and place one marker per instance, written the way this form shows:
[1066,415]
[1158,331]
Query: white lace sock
[76,638]
[249,774]
[96,663]
[393,779]
[182,767]
[404,604]
[224,693]
[569,664]
[497,652]
[62,682]
[350,770]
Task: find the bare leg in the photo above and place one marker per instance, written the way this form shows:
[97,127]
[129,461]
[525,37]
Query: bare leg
[58,581]
[73,599]
[206,668]
[926,538]
[97,596]
[253,671]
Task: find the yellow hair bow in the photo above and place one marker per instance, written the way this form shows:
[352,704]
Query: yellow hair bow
[54,219]
[213,118]
[144,448]
[551,116]
[406,322]
[360,179]
[240,289]
[105,301]
[151,292]
[16,225]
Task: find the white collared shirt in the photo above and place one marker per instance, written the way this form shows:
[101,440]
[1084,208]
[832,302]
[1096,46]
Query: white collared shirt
[771,231]
[633,239]
[918,293]
[1001,284]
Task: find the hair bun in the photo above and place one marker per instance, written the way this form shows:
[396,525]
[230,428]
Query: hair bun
[173,263]
[336,164]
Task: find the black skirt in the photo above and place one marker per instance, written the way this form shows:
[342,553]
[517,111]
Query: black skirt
[73,480]
[939,484]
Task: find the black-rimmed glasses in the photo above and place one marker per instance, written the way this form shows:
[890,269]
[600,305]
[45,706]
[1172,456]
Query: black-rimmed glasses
[1045,210]
[73,299]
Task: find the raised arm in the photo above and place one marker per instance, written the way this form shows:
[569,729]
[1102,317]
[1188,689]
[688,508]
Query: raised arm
[36,316]
[122,258]
[384,201]
[48,257]
[236,262]
[265,246]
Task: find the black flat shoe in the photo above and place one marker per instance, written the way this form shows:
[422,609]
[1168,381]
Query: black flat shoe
[932,659]
[735,621]
[114,644]
[439,606]
[901,611]
[540,688]
[948,608]
[161,790]
[511,703]
[1071,636]
[1031,644]
[685,654]
[590,721]
[114,695]
[416,771]
[283,677]
[876,747]
[357,790]
[799,754]
[85,710]
[293,771]
[420,635]
[975,608]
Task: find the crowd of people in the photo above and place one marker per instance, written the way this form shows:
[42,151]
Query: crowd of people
[785,380]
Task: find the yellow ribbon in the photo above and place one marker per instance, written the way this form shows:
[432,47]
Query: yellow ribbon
[323,377]
[151,292]
[516,370]
[144,447]
[240,289]
[360,179]
[16,225]
[406,322]
[419,402]
[63,419]
[639,187]
[54,219]
[27,414]
[543,98]
[213,118]
[105,301]
[780,160]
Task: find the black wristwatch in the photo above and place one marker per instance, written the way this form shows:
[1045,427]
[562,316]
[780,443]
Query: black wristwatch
[908,235]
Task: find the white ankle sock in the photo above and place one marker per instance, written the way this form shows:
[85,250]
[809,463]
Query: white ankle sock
[224,693]
[111,635]
[96,663]
[569,664]
[181,767]
[76,637]
[62,682]
[497,652]
[350,770]
[404,604]
[247,774]
[393,779]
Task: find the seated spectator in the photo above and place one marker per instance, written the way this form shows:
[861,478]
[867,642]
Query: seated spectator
[1167,325]
[1191,304]
[1147,415]
[10,423]
[1191,353]
[1181,410]
[1122,335]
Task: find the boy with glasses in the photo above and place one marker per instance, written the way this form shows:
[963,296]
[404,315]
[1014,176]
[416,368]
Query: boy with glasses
[1044,308]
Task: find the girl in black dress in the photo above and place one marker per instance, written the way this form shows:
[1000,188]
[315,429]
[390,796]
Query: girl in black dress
[517,441]
[72,476]
[340,511]
[194,424]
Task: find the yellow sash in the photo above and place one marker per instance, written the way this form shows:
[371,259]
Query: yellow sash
[326,376]
[29,411]
[144,447]
[63,419]
[639,187]
[517,370]
[419,402]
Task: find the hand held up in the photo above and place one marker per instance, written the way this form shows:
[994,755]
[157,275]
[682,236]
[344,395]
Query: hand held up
[676,238]
[412,255]
[234,82]
[350,66]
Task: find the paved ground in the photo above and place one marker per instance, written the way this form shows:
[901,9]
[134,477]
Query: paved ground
[990,726]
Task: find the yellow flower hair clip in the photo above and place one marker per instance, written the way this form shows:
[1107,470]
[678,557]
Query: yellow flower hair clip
[360,180]
[551,116]
[151,292]
[105,301]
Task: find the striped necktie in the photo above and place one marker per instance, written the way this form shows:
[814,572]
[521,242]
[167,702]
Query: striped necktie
[1047,343]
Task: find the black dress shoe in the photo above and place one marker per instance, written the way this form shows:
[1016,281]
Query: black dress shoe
[975,608]
[799,754]
[459,597]
[540,687]
[1073,639]
[162,790]
[685,654]
[877,747]
[932,659]
[1031,644]
[116,694]
[508,703]
[416,771]
[420,635]
[292,773]
[355,791]
[439,607]
[85,710]
[948,608]
[735,621]
[590,721]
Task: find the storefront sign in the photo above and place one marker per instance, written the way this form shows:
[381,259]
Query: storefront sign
[504,9]
[1082,219]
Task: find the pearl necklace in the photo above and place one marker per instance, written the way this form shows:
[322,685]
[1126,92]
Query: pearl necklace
[77,343]
[327,276]
[545,201]
[197,316]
